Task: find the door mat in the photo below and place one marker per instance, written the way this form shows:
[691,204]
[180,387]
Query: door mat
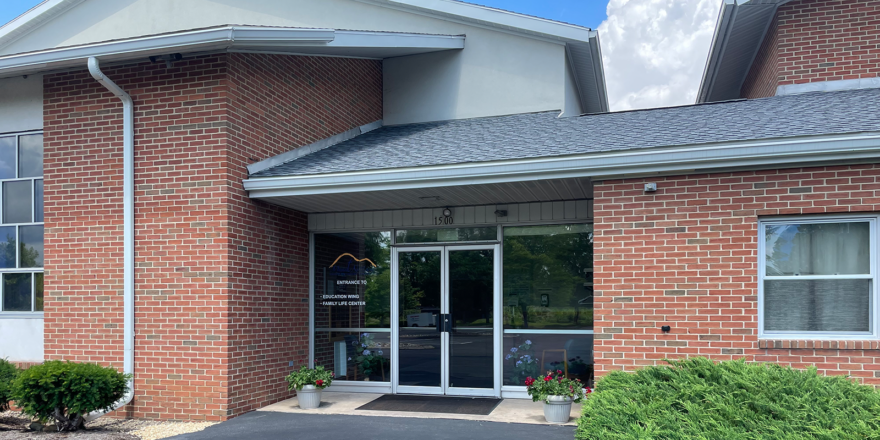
[434,404]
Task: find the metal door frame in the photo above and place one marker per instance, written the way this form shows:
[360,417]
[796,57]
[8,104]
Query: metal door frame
[497,330]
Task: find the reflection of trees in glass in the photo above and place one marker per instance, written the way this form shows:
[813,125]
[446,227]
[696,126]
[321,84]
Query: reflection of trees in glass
[555,265]
[471,280]
[378,292]
[7,250]
[29,256]
[419,282]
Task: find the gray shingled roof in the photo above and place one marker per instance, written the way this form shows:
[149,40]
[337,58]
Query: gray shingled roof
[543,134]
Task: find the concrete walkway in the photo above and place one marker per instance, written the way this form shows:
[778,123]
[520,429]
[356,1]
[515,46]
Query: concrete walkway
[509,411]
[269,425]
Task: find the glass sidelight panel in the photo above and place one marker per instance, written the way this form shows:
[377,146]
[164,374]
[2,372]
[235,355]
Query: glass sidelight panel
[471,342]
[420,349]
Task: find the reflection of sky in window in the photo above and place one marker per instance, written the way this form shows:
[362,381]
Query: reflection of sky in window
[38,201]
[7,158]
[30,159]
[17,202]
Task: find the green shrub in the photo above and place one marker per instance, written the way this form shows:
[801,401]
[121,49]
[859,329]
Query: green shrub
[67,391]
[8,372]
[698,399]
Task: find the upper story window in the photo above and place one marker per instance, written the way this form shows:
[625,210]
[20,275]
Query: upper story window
[21,223]
[818,278]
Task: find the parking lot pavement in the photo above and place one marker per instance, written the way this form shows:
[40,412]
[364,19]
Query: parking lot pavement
[272,425]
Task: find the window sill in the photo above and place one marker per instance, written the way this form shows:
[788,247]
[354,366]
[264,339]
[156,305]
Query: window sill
[832,344]
[21,315]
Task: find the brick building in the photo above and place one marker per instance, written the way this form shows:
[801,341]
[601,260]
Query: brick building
[427,197]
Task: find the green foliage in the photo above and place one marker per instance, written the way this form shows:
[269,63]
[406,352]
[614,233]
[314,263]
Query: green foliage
[521,363]
[8,373]
[368,357]
[318,376]
[735,400]
[67,391]
[556,385]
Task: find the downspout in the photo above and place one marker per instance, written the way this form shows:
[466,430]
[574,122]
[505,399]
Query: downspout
[128,230]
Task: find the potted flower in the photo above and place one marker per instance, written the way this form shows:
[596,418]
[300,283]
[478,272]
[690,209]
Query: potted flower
[557,392]
[368,358]
[309,382]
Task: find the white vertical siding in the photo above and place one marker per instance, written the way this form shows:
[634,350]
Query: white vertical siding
[539,212]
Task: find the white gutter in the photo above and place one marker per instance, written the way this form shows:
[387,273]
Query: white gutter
[128,230]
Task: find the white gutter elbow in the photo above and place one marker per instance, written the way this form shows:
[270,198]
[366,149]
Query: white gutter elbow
[128,230]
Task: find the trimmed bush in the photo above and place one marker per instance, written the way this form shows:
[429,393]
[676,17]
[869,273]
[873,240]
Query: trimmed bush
[699,399]
[67,391]
[8,372]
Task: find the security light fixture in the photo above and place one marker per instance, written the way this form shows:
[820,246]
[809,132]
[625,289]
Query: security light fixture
[447,212]
[666,328]
[650,187]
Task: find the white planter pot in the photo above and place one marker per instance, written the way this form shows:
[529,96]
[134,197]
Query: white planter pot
[557,409]
[309,397]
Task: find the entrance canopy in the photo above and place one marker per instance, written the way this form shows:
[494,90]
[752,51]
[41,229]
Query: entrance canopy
[539,157]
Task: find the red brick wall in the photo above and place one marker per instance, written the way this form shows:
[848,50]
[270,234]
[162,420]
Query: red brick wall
[278,102]
[221,280]
[686,256]
[817,40]
[763,76]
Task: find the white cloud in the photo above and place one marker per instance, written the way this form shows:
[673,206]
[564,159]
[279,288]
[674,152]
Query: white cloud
[655,50]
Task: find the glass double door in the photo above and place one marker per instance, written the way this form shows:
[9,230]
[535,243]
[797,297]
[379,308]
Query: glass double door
[445,331]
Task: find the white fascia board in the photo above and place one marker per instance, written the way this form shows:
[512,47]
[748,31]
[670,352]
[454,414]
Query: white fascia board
[240,38]
[716,49]
[683,159]
[200,40]
[510,21]
[395,39]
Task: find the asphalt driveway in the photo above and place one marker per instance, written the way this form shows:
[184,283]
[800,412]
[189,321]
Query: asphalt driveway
[272,425]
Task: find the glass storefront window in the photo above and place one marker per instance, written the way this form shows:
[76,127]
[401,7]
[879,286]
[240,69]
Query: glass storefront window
[355,356]
[548,277]
[352,280]
[532,355]
[449,235]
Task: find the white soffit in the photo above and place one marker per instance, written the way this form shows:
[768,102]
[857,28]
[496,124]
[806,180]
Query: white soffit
[739,32]
[328,42]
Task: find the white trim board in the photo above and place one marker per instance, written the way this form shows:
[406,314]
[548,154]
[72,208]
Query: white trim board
[227,38]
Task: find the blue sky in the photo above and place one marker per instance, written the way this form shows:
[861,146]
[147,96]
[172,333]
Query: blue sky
[587,13]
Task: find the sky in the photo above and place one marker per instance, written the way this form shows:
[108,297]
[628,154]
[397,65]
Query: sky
[653,51]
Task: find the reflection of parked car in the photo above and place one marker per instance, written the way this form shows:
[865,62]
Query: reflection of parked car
[421,320]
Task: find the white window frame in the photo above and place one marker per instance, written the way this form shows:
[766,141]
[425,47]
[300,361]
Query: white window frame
[874,316]
[33,271]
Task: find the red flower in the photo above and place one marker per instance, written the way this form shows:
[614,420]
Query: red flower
[319,382]
[547,379]
[588,390]
[558,371]
[529,381]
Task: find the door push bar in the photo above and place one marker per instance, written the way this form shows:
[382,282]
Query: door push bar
[444,323]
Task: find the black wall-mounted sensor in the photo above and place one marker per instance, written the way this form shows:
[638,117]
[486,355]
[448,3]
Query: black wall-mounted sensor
[666,328]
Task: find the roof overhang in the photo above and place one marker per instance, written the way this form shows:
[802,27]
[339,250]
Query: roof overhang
[770,153]
[294,41]
[739,32]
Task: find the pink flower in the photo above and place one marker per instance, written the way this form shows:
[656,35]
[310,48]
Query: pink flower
[547,379]
[319,382]
[558,371]
[529,381]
